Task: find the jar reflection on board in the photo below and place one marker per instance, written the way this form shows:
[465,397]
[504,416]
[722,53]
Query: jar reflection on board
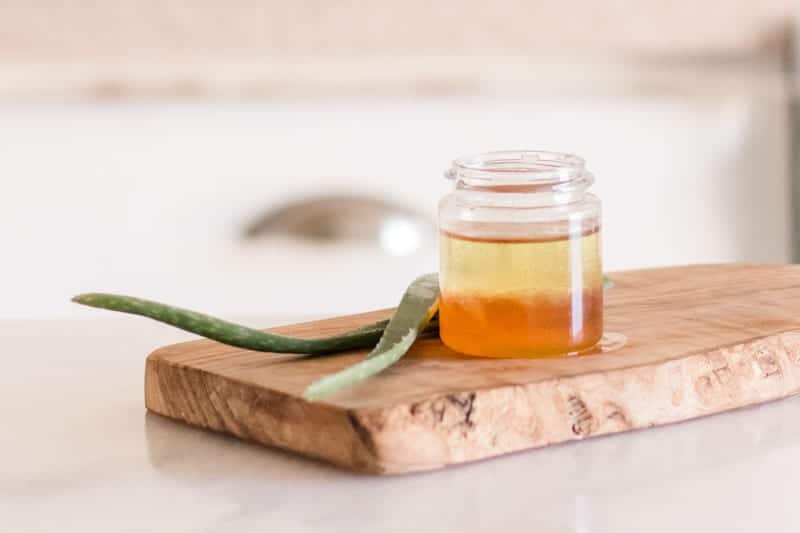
[520,263]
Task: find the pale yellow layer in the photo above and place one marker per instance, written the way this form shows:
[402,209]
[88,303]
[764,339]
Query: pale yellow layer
[473,267]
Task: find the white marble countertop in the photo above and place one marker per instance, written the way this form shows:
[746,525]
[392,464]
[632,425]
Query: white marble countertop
[78,451]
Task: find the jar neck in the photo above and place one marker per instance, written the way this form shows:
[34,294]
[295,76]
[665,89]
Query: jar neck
[520,179]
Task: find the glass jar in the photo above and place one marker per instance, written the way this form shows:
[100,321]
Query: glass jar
[520,268]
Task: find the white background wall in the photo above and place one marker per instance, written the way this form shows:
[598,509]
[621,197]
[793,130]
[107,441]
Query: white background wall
[149,198]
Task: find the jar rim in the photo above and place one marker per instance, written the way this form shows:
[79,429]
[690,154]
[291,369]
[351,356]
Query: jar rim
[518,167]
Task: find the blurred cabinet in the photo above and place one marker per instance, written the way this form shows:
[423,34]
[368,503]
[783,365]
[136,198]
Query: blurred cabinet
[151,198]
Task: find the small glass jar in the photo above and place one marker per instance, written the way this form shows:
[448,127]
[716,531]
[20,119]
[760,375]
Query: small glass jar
[520,268]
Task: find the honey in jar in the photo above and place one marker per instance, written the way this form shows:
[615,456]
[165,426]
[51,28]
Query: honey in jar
[520,268]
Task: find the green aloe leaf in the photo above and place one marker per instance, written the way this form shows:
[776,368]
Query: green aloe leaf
[252,339]
[235,334]
[419,304]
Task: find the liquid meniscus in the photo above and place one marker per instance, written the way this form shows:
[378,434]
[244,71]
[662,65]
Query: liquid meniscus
[521,298]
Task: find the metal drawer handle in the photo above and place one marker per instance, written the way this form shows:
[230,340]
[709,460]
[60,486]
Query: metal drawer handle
[396,229]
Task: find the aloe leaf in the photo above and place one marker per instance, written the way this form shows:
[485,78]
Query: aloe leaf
[236,334]
[419,304]
[244,337]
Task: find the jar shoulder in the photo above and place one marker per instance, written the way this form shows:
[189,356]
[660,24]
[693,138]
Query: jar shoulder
[519,222]
[457,207]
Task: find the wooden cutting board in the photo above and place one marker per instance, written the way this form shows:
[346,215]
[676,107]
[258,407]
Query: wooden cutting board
[701,340]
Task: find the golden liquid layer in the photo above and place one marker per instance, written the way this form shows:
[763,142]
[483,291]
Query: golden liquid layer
[533,298]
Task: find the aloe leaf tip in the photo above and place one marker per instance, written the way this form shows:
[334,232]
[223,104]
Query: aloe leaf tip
[83,299]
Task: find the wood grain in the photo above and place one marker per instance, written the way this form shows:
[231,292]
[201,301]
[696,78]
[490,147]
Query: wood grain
[701,340]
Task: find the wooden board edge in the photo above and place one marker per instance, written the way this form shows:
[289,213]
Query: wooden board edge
[467,426]
[259,415]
